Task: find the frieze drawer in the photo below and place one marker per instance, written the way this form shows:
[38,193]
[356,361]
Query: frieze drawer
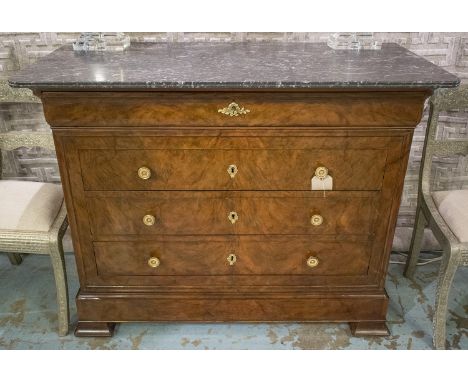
[232,109]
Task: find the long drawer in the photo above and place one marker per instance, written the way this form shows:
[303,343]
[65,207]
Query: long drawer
[244,256]
[231,212]
[234,109]
[230,169]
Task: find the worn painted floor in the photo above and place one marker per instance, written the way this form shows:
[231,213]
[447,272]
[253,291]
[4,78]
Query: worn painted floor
[28,318]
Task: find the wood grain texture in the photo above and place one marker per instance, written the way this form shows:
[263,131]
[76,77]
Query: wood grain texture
[207,169]
[118,308]
[149,109]
[207,212]
[269,257]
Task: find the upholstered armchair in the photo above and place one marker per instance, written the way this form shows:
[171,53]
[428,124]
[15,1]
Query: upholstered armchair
[33,219]
[445,212]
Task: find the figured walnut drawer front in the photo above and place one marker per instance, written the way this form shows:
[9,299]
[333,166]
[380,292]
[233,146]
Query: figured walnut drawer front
[234,109]
[220,213]
[246,256]
[220,169]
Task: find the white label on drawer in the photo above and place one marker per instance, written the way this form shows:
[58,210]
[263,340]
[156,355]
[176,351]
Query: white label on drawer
[322,184]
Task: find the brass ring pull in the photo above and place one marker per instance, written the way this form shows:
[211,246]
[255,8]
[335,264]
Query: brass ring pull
[149,220]
[316,220]
[144,173]
[154,262]
[312,262]
[233,217]
[321,172]
[233,110]
[232,258]
[232,170]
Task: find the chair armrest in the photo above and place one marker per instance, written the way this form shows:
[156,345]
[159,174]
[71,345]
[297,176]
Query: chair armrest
[10,95]
[451,98]
[13,140]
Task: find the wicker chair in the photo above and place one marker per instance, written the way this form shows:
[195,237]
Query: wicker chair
[33,219]
[445,212]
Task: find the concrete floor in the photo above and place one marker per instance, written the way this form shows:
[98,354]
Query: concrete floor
[28,318]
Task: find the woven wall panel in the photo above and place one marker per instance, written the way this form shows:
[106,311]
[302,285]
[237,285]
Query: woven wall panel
[449,50]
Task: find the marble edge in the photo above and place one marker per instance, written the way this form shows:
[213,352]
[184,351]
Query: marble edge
[231,85]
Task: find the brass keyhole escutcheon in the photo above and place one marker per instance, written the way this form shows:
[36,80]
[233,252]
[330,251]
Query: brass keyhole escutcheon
[149,220]
[232,170]
[154,262]
[233,217]
[144,173]
[321,172]
[312,262]
[316,220]
[232,258]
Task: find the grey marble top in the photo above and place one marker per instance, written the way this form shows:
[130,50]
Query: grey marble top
[232,65]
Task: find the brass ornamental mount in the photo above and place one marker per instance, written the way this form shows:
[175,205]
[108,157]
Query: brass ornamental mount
[232,170]
[316,220]
[232,258]
[312,262]
[233,110]
[144,173]
[233,217]
[149,220]
[321,172]
[154,262]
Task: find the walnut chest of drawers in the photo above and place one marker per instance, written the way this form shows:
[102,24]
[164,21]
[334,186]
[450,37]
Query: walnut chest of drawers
[193,200]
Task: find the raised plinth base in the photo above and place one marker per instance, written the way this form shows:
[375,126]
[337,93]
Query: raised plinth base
[98,312]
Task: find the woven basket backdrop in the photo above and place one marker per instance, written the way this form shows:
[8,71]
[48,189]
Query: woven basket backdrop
[448,50]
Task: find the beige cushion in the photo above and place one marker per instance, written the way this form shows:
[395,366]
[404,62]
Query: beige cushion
[453,207]
[28,206]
